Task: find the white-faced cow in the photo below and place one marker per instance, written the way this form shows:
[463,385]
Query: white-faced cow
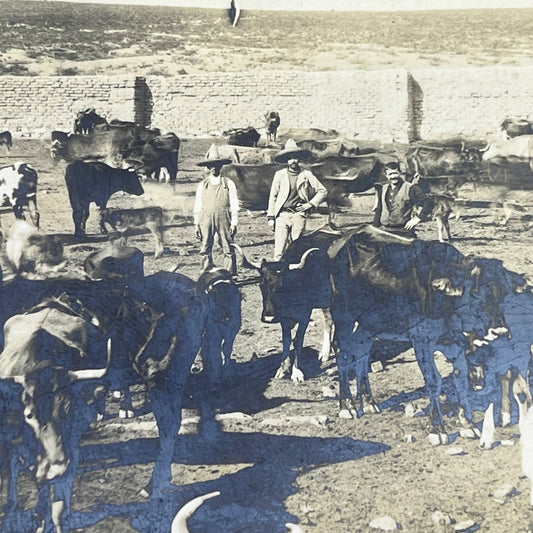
[96,182]
[18,188]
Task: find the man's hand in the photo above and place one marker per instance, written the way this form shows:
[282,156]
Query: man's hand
[198,232]
[304,207]
[271,223]
[410,224]
[233,231]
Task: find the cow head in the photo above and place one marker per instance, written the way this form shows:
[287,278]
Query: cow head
[131,182]
[285,285]
[219,285]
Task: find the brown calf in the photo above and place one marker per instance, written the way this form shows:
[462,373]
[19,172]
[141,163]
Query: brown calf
[125,220]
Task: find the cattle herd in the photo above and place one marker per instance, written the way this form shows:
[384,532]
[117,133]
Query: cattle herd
[71,336]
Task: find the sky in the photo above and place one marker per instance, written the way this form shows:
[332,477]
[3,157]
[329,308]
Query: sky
[337,5]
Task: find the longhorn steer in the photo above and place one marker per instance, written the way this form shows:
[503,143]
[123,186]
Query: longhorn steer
[96,182]
[292,288]
[419,291]
[155,326]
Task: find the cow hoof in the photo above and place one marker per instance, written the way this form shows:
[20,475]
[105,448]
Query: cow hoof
[125,413]
[117,394]
[486,444]
[371,409]
[99,417]
[506,419]
[297,375]
[347,414]
[143,493]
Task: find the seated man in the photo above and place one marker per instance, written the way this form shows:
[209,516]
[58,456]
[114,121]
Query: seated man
[400,205]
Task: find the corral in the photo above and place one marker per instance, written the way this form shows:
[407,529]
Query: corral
[280,453]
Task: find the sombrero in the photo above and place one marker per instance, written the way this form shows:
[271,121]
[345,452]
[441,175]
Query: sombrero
[291,151]
[213,158]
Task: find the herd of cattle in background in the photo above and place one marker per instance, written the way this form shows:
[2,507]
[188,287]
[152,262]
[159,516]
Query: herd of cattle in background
[67,341]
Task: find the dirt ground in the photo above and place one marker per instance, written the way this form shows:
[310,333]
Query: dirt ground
[281,454]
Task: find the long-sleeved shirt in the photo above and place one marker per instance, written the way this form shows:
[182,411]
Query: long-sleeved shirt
[233,199]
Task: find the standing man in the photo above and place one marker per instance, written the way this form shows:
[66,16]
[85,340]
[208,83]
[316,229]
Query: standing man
[400,206]
[216,211]
[293,195]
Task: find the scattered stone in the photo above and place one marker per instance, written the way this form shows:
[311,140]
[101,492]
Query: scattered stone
[327,392]
[504,492]
[441,518]
[409,438]
[237,415]
[455,450]
[384,523]
[465,525]
[470,433]
[438,438]
[376,366]
[410,410]
[507,442]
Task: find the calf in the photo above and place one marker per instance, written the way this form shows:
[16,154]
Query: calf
[125,220]
[18,188]
[6,139]
[31,253]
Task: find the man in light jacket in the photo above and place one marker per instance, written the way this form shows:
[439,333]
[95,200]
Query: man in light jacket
[293,195]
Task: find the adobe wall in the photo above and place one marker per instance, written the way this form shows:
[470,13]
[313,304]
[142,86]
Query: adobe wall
[382,105]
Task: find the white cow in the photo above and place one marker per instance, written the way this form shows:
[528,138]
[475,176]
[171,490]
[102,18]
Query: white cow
[18,188]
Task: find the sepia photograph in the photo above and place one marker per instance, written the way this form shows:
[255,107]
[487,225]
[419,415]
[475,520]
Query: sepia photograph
[266,266]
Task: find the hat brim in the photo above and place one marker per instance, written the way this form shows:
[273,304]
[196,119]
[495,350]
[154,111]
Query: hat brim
[285,155]
[214,162]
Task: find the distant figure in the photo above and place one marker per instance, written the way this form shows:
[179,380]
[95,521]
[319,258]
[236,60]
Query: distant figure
[234,13]
[272,122]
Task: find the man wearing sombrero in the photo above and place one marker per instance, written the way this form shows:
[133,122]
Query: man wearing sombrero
[293,195]
[216,211]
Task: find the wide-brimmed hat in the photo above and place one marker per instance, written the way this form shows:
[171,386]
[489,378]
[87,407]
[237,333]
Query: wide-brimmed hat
[213,158]
[291,151]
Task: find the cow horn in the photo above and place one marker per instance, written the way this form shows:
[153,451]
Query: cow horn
[179,524]
[245,262]
[300,265]
[93,373]
[486,148]
[462,146]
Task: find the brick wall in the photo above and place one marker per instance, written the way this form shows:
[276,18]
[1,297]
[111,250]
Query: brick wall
[384,105]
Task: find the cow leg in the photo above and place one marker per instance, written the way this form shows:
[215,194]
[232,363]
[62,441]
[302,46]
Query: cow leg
[126,404]
[35,216]
[101,212]
[455,354]
[422,338]
[157,234]
[354,348]
[329,331]
[487,434]
[166,401]
[506,380]
[297,375]
[286,335]
[446,224]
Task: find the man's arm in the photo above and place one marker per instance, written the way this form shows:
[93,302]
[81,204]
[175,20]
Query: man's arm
[233,203]
[378,207]
[320,191]
[198,203]
[274,190]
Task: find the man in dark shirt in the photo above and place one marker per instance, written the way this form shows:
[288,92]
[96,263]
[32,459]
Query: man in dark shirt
[400,205]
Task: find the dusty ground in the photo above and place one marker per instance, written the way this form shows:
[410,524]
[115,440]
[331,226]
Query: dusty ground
[281,453]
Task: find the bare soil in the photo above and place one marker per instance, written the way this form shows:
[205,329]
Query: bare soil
[280,453]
